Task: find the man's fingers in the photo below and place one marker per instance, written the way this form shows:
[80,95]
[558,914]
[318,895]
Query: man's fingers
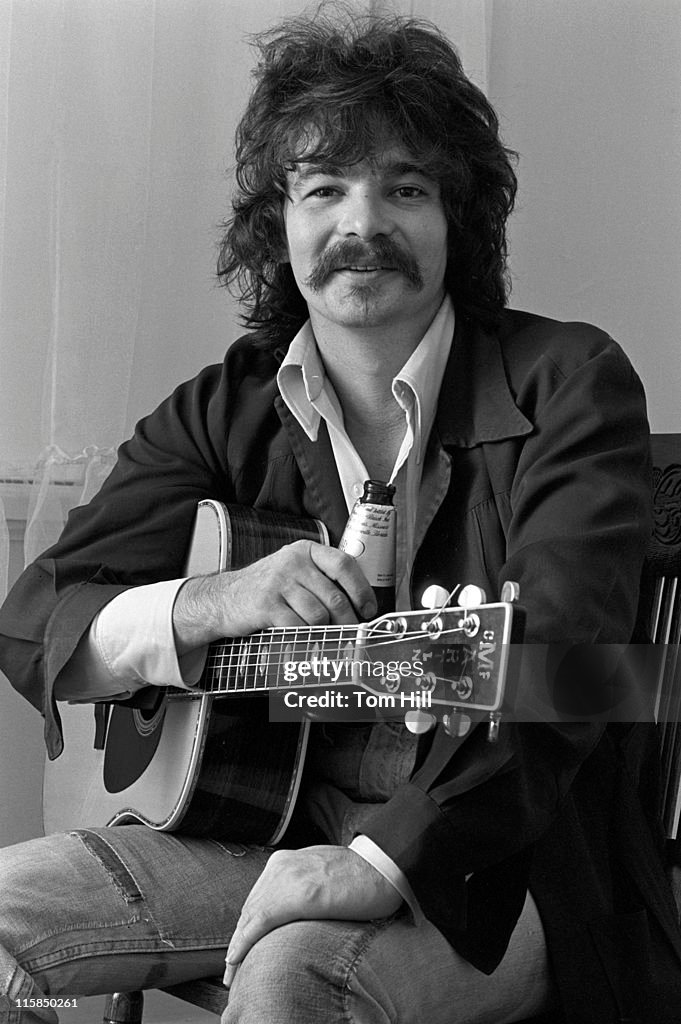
[249,930]
[316,609]
[319,585]
[230,971]
[343,570]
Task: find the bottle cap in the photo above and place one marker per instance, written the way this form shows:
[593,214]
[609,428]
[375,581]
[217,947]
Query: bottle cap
[377,493]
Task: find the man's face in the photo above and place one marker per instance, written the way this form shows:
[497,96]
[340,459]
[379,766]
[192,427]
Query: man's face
[367,243]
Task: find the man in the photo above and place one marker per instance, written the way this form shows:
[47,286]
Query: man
[455,879]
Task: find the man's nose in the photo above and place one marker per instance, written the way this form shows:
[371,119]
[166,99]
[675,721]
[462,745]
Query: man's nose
[366,215]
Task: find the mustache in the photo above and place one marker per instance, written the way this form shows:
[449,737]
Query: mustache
[382,252]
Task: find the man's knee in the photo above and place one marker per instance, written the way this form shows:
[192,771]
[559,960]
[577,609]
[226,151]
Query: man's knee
[297,972]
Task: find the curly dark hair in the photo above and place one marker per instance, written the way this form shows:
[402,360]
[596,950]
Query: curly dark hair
[339,90]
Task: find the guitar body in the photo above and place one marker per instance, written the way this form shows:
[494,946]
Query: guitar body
[193,761]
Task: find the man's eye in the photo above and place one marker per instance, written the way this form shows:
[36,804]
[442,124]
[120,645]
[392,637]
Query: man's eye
[323,192]
[409,192]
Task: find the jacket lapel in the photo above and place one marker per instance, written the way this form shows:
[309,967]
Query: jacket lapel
[318,468]
[475,404]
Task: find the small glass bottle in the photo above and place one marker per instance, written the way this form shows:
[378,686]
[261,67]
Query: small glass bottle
[370,537]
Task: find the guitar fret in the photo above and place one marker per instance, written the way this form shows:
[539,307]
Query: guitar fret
[252,663]
[242,663]
[247,664]
[239,666]
[312,656]
[256,657]
[231,664]
[263,659]
[257,661]
[217,658]
[287,651]
[216,665]
[273,659]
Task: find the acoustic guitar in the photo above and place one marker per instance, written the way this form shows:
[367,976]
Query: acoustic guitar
[225,758]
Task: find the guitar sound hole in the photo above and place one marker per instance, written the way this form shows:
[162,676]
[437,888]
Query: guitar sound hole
[132,738]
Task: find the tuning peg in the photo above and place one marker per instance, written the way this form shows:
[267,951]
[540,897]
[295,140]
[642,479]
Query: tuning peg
[493,727]
[457,723]
[434,597]
[418,721]
[471,597]
[510,592]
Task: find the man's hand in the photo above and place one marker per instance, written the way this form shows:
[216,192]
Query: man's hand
[315,883]
[303,583]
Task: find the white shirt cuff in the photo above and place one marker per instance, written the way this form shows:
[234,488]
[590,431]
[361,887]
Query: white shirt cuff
[130,645]
[367,849]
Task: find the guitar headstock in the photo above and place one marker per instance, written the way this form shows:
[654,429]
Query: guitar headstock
[450,663]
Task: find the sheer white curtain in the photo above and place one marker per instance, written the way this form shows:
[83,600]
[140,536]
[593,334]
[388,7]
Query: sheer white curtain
[115,126]
[74,191]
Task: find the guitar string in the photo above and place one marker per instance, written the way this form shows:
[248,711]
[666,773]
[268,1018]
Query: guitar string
[250,652]
[235,647]
[375,639]
[235,685]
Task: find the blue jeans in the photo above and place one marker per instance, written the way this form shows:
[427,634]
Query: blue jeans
[102,910]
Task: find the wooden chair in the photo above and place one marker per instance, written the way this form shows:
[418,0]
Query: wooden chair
[664,563]
[665,567]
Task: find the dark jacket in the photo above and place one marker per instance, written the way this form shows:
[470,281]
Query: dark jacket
[544,428]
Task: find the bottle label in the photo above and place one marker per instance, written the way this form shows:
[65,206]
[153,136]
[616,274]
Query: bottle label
[370,538]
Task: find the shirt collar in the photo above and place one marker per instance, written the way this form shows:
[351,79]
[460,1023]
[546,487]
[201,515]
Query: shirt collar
[422,374]
[302,380]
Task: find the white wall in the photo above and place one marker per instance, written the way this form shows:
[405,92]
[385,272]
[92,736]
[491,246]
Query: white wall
[589,92]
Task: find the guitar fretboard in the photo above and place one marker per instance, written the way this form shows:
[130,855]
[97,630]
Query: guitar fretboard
[283,658]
